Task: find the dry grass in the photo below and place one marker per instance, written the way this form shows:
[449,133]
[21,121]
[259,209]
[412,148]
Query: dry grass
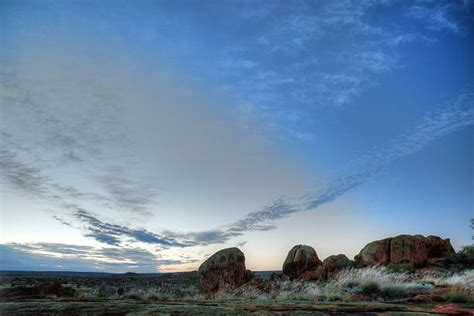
[370,283]
[377,274]
[464,280]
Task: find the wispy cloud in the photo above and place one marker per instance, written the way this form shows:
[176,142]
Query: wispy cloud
[450,117]
[279,75]
[57,256]
[119,235]
[440,15]
[128,194]
[112,234]
[20,175]
[61,141]
[282,70]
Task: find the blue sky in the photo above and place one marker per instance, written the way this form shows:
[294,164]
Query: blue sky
[145,135]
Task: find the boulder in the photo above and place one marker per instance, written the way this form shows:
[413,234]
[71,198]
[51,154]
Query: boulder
[409,249]
[224,271]
[376,252]
[414,249]
[332,265]
[438,247]
[300,259]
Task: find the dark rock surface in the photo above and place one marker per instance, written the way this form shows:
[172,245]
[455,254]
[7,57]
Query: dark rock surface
[300,259]
[332,265]
[415,249]
[224,271]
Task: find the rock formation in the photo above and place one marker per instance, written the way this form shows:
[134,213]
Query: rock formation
[415,249]
[300,259]
[223,271]
[332,265]
[376,252]
[328,269]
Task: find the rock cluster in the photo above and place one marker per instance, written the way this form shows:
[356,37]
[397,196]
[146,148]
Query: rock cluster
[225,270]
[313,269]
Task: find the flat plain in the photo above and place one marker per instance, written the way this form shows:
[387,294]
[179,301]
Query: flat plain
[72,293]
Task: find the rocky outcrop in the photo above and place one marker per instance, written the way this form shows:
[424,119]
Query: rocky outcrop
[224,271]
[414,249]
[300,259]
[329,268]
[409,249]
[332,265]
[438,247]
[376,252]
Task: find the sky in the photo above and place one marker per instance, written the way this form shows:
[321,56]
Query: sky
[145,135]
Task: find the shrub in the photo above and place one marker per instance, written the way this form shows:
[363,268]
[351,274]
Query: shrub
[462,260]
[426,282]
[393,292]
[332,291]
[401,267]
[85,292]
[105,291]
[292,296]
[312,290]
[457,296]
[68,291]
[370,288]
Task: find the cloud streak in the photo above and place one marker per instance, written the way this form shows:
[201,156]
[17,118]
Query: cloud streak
[285,63]
[450,117]
[66,257]
[111,234]
[61,141]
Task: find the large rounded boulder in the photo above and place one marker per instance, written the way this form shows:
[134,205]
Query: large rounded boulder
[300,259]
[409,249]
[332,265]
[437,247]
[374,253]
[224,271]
[415,249]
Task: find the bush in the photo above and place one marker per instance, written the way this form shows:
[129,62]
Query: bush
[68,291]
[105,291]
[370,288]
[393,292]
[401,267]
[332,292]
[426,282]
[462,260]
[457,296]
[292,296]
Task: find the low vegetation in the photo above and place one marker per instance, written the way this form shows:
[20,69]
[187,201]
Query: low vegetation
[365,284]
[336,285]
[462,260]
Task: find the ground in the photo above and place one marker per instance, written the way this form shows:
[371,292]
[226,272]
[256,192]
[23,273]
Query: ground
[30,293]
